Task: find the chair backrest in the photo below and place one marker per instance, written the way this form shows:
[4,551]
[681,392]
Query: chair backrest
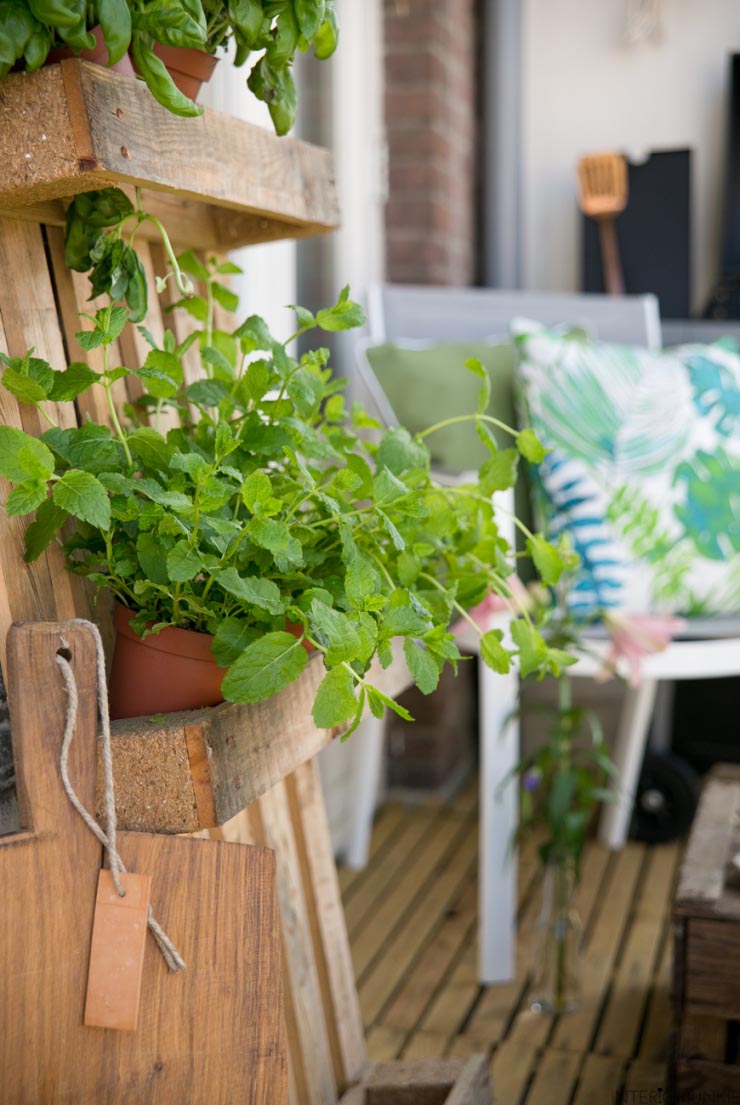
[470,314]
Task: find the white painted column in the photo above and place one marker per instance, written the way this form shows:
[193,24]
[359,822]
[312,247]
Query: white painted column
[269,279]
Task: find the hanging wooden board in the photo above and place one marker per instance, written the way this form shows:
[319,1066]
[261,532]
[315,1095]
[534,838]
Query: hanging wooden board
[213,1033]
[75,126]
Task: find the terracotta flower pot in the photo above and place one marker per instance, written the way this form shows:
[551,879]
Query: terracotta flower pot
[99,55]
[188,68]
[171,670]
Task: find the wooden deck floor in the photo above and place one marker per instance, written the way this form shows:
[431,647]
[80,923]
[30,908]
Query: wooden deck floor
[412,921]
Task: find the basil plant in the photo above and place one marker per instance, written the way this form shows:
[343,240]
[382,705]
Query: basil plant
[252,505]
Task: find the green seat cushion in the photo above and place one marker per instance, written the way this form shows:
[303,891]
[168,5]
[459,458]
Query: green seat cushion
[427,384]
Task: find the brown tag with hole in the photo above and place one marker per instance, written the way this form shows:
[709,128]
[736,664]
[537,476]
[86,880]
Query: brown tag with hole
[117,952]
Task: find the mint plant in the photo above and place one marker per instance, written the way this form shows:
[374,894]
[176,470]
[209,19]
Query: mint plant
[266,517]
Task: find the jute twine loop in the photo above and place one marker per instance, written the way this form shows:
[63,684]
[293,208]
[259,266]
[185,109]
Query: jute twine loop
[171,956]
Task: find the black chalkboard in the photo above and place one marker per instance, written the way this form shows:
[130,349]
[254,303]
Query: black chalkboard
[654,234]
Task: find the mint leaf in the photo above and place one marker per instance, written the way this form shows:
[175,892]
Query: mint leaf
[276,538]
[532,648]
[265,667]
[262,593]
[361,580]
[75,380]
[484,395]
[183,563]
[422,665]
[232,637]
[23,387]
[493,652]
[14,466]
[162,373]
[254,334]
[530,446]
[49,520]
[335,630]
[25,498]
[152,558]
[498,472]
[150,448]
[547,559]
[257,491]
[335,700]
[377,698]
[344,315]
[83,496]
[399,451]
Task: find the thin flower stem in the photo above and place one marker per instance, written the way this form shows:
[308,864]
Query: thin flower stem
[467,418]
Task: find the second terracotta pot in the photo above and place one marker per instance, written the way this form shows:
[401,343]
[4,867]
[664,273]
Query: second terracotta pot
[99,55]
[189,69]
[168,671]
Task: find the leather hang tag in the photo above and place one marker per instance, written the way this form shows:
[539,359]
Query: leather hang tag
[117,952]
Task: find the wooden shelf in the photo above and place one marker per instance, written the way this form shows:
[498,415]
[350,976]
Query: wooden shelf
[215,181]
[197,770]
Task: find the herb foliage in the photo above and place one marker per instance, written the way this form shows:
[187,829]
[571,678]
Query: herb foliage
[268,516]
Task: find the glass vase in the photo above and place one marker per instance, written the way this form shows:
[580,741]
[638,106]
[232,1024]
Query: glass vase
[558,936]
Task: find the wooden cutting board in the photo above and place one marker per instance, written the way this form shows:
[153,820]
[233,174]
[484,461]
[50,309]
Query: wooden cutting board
[212,1034]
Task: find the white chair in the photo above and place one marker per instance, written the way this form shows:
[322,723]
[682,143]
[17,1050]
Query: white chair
[709,648]
[474,314]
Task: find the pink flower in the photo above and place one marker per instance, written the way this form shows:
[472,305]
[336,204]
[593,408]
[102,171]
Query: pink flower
[634,636]
[486,612]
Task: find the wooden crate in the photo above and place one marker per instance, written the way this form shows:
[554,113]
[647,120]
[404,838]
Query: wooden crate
[706,916]
[425,1082]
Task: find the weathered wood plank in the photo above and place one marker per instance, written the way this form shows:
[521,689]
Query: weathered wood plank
[230,995]
[73,127]
[702,878]
[223,758]
[326,918]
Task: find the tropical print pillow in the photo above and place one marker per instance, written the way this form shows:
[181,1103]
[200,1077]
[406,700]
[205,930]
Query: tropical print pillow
[643,470]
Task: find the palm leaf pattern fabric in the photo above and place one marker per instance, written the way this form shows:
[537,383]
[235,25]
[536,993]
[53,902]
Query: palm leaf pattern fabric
[644,467]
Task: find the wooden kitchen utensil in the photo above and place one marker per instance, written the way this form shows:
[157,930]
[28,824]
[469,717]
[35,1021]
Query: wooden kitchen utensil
[602,182]
[213,1033]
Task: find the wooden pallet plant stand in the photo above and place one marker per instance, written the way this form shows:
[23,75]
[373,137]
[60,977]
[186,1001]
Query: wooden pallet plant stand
[707,946]
[216,183]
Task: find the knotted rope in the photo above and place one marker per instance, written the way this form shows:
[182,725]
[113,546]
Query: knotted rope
[171,956]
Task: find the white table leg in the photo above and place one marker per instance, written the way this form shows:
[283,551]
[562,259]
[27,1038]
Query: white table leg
[634,723]
[497,897]
[368,758]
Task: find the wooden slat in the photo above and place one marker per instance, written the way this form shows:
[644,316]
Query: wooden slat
[248,750]
[535,1027]
[328,928]
[554,1079]
[384,1043]
[576,1030]
[654,1042]
[73,127]
[511,1070]
[428,973]
[386,823]
[624,1010]
[376,986]
[213,1032]
[44,590]
[473,1086]
[310,1053]
[702,877]
[600,1080]
[411,838]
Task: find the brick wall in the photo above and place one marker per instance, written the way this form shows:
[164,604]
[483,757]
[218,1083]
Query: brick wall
[430,107]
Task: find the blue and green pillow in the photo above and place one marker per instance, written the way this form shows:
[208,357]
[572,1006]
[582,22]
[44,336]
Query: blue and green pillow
[643,470]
